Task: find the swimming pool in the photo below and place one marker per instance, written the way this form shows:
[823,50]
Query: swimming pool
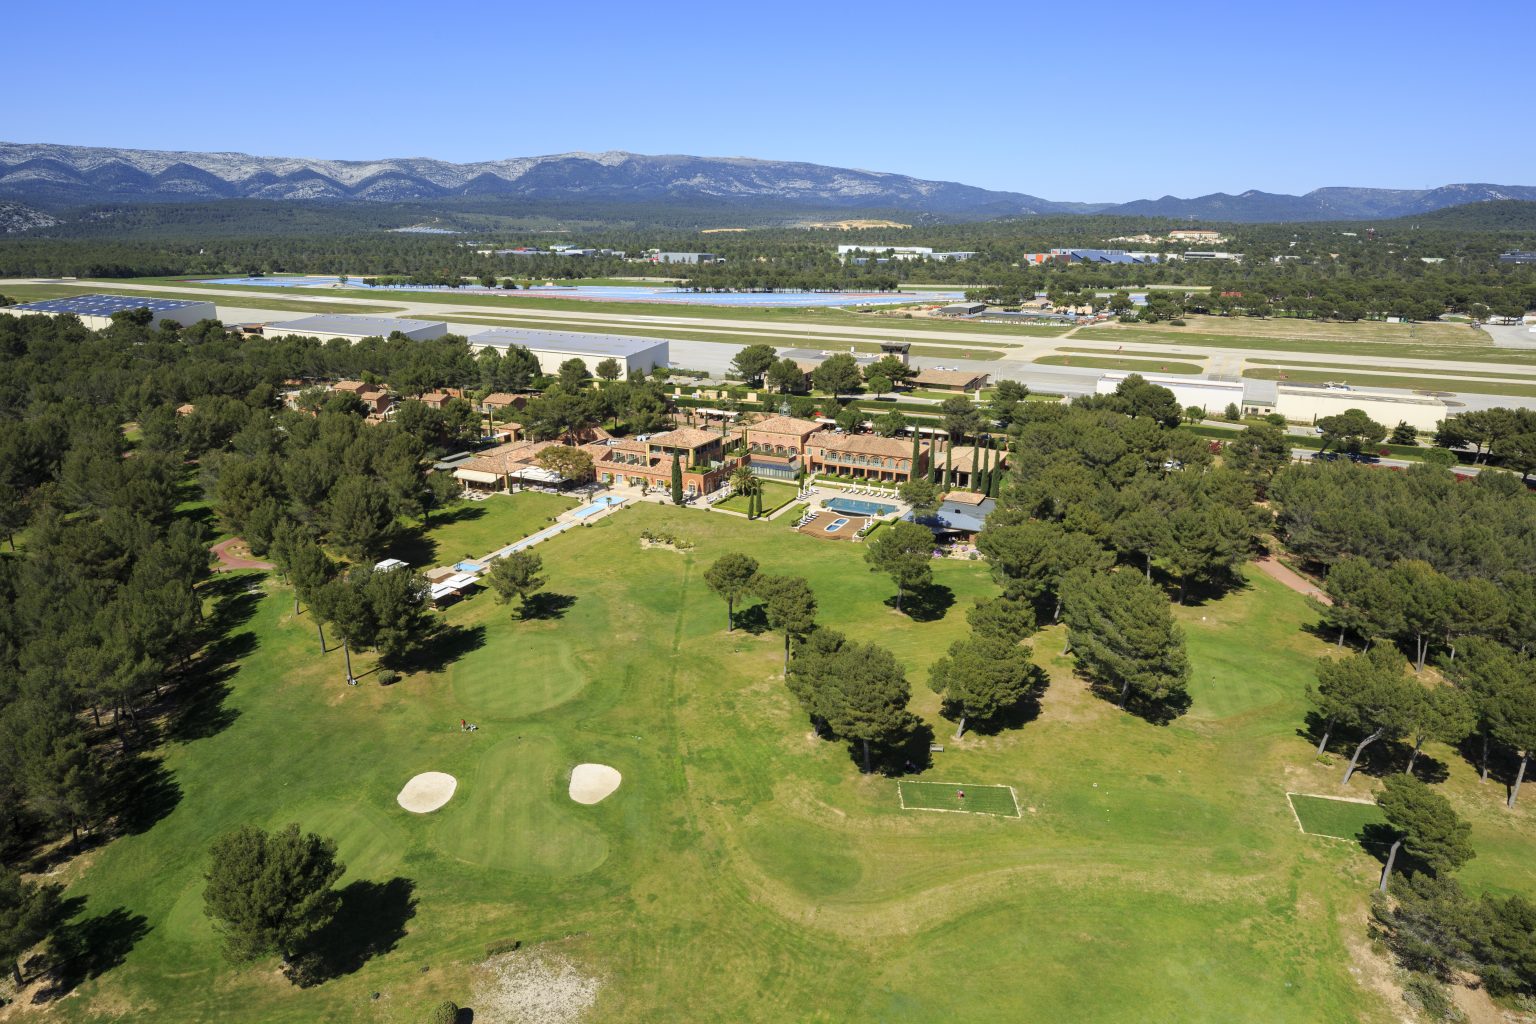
[610,293]
[469,567]
[860,508]
[607,501]
[836,524]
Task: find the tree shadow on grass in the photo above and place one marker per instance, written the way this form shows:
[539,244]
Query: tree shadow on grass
[370,923]
[1202,592]
[1156,711]
[88,948]
[444,648]
[143,792]
[1015,716]
[1502,764]
[927,605]
[909,754]
[547,605]
[198,709]
[419,547]
[752,619]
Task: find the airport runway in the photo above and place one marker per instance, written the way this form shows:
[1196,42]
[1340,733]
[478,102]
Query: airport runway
[1018,351]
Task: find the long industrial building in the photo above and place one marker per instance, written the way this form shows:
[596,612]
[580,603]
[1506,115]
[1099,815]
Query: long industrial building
[1308,403]
[355,328]
[1211,395]
[552,348]
[95,311]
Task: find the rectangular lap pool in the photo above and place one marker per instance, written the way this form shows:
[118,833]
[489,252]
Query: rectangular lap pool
[607,501]
[860,508]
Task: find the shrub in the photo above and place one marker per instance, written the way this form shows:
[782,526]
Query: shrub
[1176,322]
[388,677]
[504,946]
[1430,997]
[445,1012]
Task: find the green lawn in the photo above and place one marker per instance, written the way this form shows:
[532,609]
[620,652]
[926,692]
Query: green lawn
[775,497]
[1367,350]
[745,870]
[1152,365]
[473,529]
[1341,819]
[945,796]
[1113,352]
[1429,382]
[1401,370]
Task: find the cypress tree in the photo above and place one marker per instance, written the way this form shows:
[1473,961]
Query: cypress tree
[917,452]
[975,465]
[949,464]
[677,480]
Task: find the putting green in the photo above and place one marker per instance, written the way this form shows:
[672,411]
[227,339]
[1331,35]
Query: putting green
[496,681]
[514,814]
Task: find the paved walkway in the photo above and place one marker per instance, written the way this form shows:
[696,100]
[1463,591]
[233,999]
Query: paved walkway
[1291,579]
[228,560]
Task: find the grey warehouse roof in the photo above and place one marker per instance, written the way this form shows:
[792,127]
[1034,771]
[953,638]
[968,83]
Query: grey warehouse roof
[104,305]
[952,516]
[567,341]
[330,325]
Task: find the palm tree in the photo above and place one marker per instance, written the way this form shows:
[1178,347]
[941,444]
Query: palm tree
[744,482]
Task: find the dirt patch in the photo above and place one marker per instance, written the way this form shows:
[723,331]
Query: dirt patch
[531,987]
[235,553]
[1290,579]
[1478,1008]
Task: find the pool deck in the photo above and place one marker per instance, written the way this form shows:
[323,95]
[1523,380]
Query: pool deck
[818,527]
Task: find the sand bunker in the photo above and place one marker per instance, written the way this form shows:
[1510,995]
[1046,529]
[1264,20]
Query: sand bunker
[592,783]
[427,792]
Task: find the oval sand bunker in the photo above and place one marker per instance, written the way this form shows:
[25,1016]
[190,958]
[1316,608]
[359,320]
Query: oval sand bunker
[592,783]
[427,792]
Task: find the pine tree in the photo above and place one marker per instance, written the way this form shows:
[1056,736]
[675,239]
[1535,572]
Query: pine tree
[271,892]
[981,676]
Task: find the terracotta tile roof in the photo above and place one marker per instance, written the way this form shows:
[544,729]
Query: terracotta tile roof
[962,456]
[506,458]
[862,444]
[785,425]
[685,437]
[947,378]
[965,497]
[501,398]
[353,386]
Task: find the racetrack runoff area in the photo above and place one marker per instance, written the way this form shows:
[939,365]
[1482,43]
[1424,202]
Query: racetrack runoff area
[946,796]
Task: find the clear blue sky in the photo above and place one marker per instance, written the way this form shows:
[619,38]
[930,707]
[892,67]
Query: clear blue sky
[1107,102]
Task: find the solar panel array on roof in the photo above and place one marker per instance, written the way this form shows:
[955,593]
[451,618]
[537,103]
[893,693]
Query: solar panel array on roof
[103,305]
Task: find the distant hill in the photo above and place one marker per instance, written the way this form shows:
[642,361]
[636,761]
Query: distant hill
[80,174]
[1322,203]
[57,177]
[15,218]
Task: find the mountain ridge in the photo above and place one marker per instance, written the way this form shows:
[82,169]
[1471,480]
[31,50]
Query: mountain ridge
[46,173]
